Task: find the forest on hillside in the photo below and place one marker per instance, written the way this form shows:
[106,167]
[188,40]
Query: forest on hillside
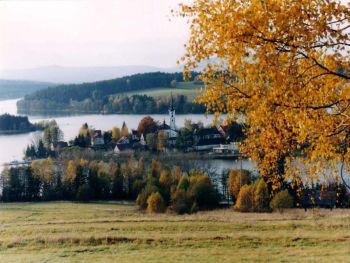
[107,96]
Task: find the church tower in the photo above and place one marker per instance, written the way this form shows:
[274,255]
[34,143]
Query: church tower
[172,118]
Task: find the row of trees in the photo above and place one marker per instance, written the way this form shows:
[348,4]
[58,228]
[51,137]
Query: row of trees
[122,104]
[177,191]
[257,196]
[156,187]
[86,180]
[143,104]
[10,123]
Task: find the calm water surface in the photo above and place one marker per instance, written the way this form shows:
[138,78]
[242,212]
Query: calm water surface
[12,146]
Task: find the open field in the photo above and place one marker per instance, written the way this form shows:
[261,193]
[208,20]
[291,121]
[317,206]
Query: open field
[190,90]
[107,232]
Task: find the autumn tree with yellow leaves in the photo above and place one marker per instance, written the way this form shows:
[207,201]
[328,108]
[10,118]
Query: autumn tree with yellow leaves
[282,66]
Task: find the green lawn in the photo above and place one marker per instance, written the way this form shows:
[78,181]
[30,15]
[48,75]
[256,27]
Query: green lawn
[107,232]
[182,88]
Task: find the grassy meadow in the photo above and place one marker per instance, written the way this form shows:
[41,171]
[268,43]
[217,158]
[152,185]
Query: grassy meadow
[110,232]
[188,89]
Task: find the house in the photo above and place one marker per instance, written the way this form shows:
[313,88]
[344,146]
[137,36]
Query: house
[208,138]
[97,138]
[58,146]
[123,140]
[126,144]
[126,148]
[134,135]
[163,127]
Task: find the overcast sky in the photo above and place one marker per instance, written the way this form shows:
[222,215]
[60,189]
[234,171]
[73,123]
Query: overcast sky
[90,33]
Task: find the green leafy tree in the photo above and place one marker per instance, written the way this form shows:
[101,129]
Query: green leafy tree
[261,196]
[282,200]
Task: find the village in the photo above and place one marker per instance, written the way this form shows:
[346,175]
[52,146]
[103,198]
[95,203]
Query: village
[219,141]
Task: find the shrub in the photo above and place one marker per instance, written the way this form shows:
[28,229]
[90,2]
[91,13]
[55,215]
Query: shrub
[245,198]
[181,202]
[261,196]
[203,192]
[236,180]
[84,193]
[184,182]
[142,198]
[282,200]
[155,203]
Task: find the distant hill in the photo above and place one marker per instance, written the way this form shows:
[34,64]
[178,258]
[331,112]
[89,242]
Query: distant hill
[13,89]
[120,95]
[75,75]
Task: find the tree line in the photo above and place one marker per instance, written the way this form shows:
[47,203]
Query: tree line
[104,96]
[10,123]
[86,180]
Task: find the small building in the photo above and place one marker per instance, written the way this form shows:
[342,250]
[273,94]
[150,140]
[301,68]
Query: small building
[172,134]
[123,140]
[123,148]
[134,135]
[163,127]
[97,139]
[125,144]
[208,138]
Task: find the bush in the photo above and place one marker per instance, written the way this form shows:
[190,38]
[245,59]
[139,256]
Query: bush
[181,202]
[84,193]
[261,196]
[142,198]
[155,203]
[236,180]
[282,200]
[203,192]
[245,198]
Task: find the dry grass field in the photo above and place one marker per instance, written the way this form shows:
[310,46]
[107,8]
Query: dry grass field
[110,232]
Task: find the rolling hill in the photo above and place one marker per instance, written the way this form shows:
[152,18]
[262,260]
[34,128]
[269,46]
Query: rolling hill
[13,89]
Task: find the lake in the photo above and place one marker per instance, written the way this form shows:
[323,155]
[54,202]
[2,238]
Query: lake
[12,146]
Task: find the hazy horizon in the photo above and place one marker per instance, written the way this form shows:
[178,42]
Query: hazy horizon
[90,33]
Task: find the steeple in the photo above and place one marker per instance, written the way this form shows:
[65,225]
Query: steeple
[172,102]
[172,115]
